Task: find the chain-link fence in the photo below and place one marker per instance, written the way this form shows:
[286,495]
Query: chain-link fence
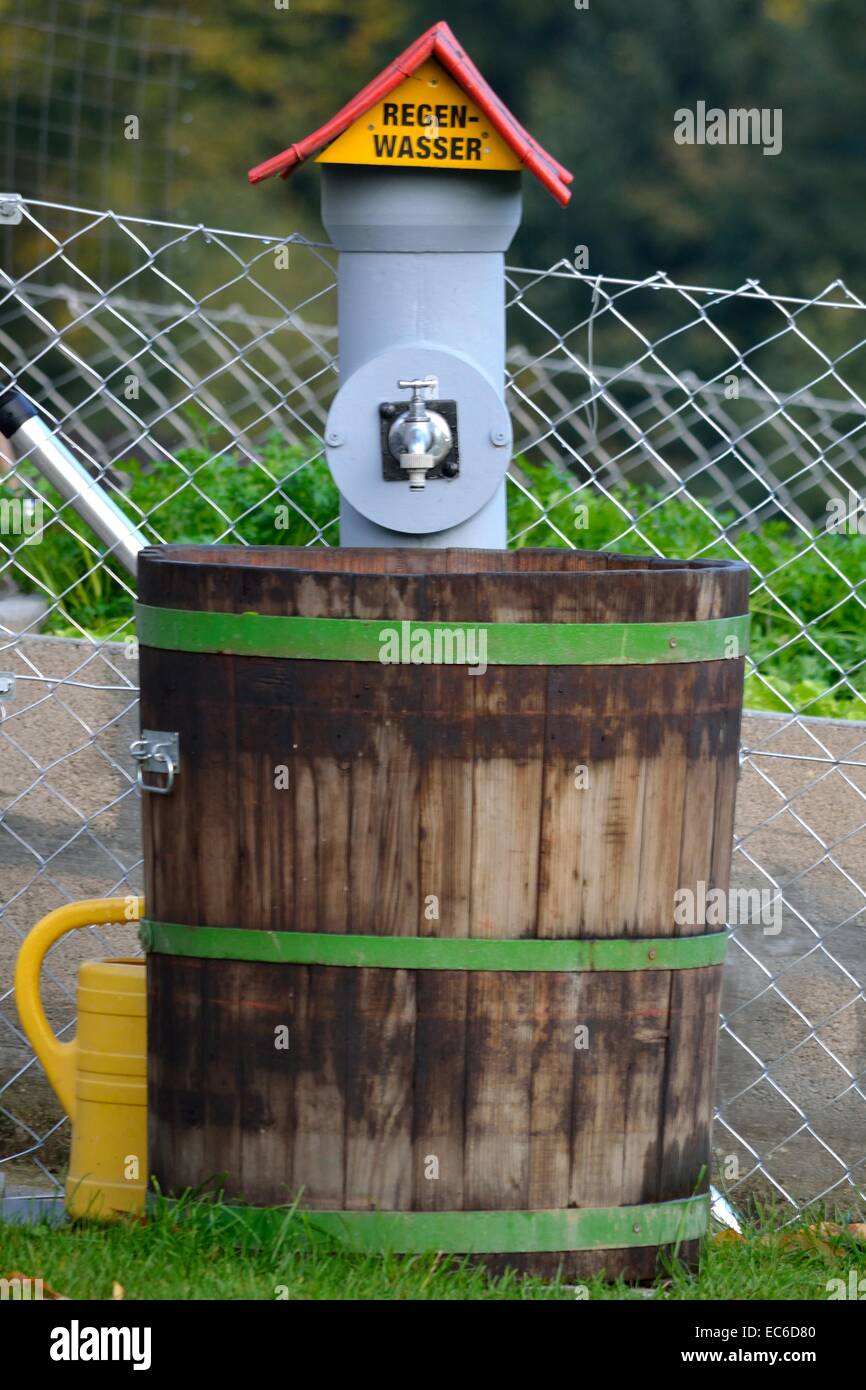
[648,416]
[72,73]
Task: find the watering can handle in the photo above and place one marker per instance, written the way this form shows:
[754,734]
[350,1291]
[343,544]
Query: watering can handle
[58,1058]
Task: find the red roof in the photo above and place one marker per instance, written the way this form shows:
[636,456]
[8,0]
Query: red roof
[438,42]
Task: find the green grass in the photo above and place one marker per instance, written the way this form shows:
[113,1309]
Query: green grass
[201,1254]
[809,581]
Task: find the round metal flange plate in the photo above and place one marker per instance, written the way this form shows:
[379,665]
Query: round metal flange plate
[354,450]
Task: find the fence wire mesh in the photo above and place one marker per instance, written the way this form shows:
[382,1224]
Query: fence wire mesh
[73,72]
[649,416]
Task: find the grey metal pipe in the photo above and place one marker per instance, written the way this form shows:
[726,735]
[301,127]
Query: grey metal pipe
[19,422]
[422,260]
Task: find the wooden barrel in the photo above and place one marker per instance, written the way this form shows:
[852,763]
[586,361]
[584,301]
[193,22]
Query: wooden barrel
[414,945]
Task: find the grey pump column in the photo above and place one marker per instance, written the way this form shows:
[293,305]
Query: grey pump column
[421,289]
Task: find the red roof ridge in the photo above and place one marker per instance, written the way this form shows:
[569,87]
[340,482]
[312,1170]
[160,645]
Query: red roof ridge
[437,42]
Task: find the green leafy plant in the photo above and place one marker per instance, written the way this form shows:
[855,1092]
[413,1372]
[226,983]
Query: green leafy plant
[283,499]
[807,613]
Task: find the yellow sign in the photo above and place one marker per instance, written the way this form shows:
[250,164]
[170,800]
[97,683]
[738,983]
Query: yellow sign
[428,122]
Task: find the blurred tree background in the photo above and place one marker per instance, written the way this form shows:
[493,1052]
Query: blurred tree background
[217,88]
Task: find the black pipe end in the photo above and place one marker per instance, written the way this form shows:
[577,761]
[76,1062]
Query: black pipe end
[14,410]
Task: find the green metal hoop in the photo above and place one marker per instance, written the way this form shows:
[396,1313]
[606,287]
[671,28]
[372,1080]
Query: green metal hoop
[489,1232]
[433,953]
[425,643]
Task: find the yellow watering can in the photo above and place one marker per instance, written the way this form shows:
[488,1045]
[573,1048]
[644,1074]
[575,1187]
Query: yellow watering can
[100,1077]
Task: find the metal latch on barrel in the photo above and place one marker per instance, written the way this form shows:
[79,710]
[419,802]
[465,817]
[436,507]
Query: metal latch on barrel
[156,751]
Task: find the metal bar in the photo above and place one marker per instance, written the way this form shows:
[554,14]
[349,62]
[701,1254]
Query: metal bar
[659,282]
[800,757]
[61,469]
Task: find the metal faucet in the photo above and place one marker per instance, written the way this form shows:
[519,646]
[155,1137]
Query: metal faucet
[420,438]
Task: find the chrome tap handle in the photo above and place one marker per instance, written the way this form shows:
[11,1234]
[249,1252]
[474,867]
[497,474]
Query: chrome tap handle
[418,404]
